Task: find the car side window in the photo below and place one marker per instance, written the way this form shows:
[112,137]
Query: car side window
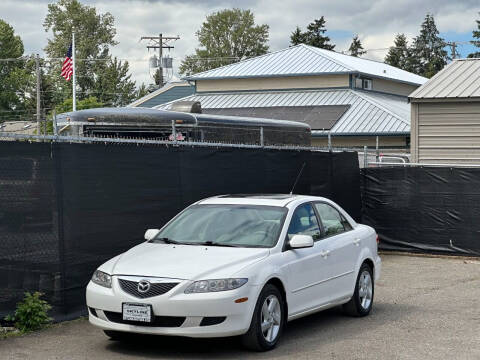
[304,222]
[333,222]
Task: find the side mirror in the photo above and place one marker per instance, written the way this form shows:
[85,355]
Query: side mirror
[301,241]
[151,233]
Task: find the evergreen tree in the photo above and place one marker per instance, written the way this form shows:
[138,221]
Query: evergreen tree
[476,43]
[141,91]
[399,54]
[356,48]
[297,37]
[226,36]
[113,86]
[314,36]
[428,54]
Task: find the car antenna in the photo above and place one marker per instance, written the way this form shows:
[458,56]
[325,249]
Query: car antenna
[298,177]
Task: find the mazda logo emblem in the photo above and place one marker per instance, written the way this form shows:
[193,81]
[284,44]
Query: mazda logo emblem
[143,286]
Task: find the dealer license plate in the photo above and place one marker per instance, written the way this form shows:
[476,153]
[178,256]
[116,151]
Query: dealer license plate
[137,312]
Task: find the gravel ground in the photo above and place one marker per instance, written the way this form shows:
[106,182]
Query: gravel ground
[425,308]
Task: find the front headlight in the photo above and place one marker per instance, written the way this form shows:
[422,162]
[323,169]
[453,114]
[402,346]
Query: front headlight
[214,285]
[102,279]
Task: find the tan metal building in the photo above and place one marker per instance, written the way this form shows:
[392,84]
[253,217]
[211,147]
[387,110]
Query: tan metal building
[445,119]
[353,101]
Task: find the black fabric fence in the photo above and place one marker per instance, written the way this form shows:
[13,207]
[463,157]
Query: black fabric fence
[423,209]
[67,208]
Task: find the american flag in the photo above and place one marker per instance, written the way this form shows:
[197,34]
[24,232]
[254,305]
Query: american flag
[67,67]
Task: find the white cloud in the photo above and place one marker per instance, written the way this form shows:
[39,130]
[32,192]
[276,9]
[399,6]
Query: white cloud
[376,22]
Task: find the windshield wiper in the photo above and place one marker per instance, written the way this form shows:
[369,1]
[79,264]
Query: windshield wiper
[166,240]
[211,243]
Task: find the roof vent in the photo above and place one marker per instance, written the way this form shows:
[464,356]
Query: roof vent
[187,106]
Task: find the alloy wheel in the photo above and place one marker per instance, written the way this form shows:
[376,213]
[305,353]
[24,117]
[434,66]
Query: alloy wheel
[271,318]
[365,289]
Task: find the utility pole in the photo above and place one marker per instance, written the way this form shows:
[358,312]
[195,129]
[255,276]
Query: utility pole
[453,46]
[37,68]
[160,42]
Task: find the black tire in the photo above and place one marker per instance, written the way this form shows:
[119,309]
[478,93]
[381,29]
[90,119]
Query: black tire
[254,339]
[356,306]
[116,335]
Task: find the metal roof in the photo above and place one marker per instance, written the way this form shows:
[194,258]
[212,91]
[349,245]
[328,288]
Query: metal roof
[303,60]
[460,79]
[367,113]
[169,92]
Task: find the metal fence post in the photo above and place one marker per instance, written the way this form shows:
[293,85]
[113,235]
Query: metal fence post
[329,141]
[377,151]
[365,156]
[44,122]
[174,131]
[54,121]
[261,136]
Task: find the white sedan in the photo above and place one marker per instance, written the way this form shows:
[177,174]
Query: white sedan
[238,265]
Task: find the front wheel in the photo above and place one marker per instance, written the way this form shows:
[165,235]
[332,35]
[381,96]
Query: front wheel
[267,321]
[362,300]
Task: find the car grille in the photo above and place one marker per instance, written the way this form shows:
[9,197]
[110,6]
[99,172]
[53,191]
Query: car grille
[158,321]
[131,287]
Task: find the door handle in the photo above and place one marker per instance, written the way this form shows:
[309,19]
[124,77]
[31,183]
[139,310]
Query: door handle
[356,242]
[325,253]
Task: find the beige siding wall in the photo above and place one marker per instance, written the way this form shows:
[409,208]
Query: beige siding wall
[392,87]
[274,83]
[447,132]
[356,141]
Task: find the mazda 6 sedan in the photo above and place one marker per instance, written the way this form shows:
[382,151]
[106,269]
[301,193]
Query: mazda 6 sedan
[238,265]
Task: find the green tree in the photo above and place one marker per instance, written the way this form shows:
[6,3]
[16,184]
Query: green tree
[314,36]
[356,48]
[476,43]
[399,54]
[114,86]
[15,74]
[225,37]
[297,37]
[94,35]
[87,103]
[141,91]
[428,54]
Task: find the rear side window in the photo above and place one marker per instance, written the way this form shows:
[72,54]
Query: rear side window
[304,222]
[333,222]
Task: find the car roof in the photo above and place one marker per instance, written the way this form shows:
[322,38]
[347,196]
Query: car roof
[259,199]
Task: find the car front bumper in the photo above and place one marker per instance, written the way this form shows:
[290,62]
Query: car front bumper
[105,302]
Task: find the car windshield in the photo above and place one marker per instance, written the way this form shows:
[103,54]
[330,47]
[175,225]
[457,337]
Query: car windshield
[225,225]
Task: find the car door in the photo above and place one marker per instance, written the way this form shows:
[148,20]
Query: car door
[342,248]
[307,269]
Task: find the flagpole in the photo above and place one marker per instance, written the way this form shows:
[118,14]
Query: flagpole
[74,82]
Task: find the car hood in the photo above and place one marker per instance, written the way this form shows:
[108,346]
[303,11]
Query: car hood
[189,262]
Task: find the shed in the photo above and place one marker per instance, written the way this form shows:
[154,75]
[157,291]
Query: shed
[445,116]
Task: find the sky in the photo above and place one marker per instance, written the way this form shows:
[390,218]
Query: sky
[376,23]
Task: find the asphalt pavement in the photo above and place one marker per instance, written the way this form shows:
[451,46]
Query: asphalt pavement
[424,308]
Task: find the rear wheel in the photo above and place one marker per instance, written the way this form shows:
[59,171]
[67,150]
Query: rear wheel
[362,300]
[267,321]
